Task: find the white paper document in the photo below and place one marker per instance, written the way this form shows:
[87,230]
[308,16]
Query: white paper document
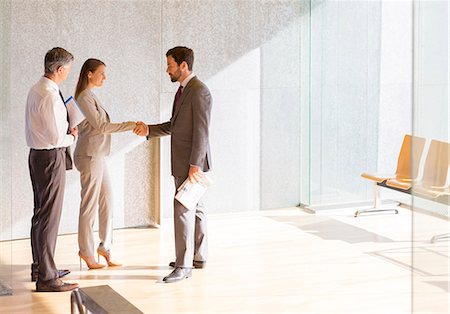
[189,193]
[76,116]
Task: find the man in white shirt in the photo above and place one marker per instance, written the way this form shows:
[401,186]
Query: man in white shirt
[48,136]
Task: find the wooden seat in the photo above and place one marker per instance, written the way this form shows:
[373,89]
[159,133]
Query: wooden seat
[435,173]
[407,163]
[407,169]
[434,184]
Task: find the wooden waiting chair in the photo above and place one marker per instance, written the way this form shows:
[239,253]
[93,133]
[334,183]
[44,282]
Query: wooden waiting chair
[434,184]
[435,173]
[407,169]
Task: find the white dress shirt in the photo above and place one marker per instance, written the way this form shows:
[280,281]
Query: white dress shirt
[187,79]
[46,117]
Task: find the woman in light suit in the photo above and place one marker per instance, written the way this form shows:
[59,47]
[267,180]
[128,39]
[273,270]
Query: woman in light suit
[94,144]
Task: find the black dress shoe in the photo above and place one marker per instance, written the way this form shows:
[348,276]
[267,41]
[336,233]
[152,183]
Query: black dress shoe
[178,274]
[55,285]
[197,264]
[61,273]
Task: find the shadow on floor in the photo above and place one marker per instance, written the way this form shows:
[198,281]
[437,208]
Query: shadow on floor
[443,285]
[330,229]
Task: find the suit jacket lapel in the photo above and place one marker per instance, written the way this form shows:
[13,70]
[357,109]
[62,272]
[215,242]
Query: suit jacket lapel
[180,101]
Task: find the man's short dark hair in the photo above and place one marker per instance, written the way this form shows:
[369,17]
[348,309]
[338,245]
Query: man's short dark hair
[180,54]
[56,58]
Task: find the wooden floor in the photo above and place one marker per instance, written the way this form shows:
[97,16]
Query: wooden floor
[282,261]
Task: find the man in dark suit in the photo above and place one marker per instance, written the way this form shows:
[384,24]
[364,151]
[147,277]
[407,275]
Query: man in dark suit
[190,157]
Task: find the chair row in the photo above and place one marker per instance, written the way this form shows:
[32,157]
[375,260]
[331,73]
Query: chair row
[431,183]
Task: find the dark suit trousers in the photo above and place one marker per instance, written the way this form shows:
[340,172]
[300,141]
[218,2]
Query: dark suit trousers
[48,177]
[191,242]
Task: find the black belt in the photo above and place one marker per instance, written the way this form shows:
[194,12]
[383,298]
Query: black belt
[48,150]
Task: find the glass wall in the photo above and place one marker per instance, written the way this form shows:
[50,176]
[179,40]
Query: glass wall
[431,226]
[360,97]
[5,156]
[380,70]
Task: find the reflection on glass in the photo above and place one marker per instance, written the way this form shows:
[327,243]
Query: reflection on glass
[360,95]
[5,158]
[431,225]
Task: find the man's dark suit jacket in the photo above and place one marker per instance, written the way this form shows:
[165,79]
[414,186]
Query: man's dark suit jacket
[189,129]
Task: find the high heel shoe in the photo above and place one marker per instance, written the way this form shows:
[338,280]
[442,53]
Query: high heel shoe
[90,262]
[101,251]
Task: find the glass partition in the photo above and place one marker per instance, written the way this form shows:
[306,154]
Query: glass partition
[431,226]
[305,105]
[360,95]
[5,156]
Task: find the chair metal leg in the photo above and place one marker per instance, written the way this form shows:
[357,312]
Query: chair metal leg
[377,204]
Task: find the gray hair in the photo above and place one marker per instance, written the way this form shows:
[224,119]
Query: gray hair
[56,58]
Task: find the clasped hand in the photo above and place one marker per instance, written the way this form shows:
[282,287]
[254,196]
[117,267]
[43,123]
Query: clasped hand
[141,129]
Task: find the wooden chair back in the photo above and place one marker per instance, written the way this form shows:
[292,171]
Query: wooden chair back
[436,166]
[409,158]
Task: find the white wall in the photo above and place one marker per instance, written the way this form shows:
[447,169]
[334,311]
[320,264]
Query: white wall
[247,52]
[249,58]
[396,82]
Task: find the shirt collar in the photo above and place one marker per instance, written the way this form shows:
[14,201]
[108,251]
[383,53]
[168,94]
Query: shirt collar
[48,82]
[187,79]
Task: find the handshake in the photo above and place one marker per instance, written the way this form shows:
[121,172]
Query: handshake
[141,129]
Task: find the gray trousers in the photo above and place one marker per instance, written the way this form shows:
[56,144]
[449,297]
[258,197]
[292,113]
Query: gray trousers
[48,178]
[96,197]
[191,242]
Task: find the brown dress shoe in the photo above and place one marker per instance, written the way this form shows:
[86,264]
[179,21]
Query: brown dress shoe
[61,273]
[55,285]
[197,264]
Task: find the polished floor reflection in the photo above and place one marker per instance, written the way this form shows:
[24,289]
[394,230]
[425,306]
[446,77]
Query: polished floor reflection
[280,261]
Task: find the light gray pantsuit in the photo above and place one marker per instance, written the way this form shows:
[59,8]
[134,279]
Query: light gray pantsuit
[96,196]
[93,146]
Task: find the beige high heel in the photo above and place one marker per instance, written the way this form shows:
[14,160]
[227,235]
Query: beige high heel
[90,262]
[101,251]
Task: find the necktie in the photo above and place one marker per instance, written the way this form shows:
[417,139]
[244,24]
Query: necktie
[178,94]
[62,97]
[68,156]
[67,113]
[176,103]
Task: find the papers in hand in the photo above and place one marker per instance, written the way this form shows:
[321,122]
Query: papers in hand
[76,116]
[189,193]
